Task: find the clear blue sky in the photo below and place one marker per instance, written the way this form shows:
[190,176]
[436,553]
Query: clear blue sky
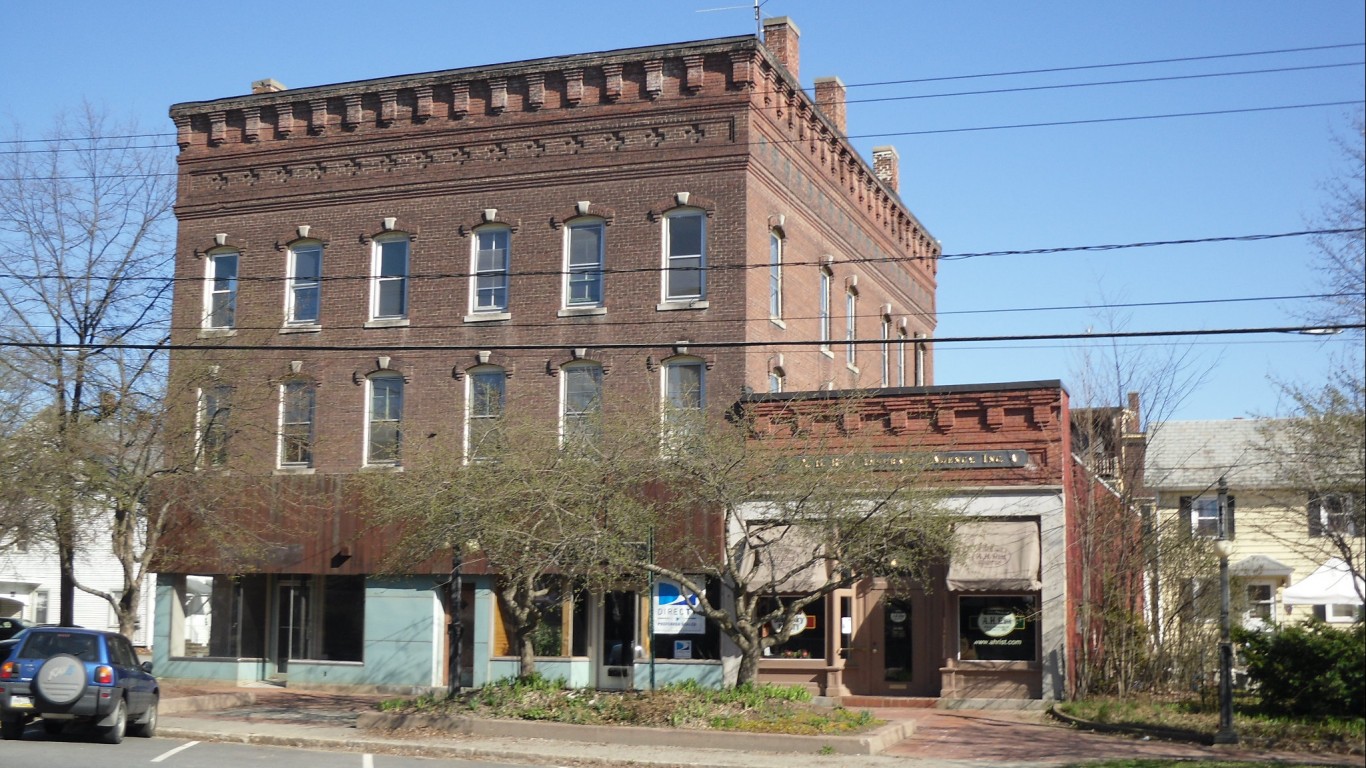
[977,191]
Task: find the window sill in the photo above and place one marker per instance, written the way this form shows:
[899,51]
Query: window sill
[826,351]
[387,322]
[670,306]
[778,322]
[581,311]
[294,470]
[852,367]
[488,317]
[381,468]
[302,328]
[217,333]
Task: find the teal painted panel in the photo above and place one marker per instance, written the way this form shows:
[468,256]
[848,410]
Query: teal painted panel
[706,674]
[402,618]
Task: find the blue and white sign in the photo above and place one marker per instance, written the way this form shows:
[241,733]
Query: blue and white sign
[675,610]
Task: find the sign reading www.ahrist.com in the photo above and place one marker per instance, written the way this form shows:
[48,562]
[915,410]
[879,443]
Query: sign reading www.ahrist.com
[1006,459]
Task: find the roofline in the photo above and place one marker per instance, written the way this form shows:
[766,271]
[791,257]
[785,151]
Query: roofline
[941,389]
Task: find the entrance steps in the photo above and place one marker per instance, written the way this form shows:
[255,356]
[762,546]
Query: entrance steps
[889,702]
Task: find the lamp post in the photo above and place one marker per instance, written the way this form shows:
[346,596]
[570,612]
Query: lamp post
[455,630]
[1223,547]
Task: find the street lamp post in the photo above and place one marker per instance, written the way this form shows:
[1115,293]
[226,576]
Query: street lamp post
[1223,547]
[455,630]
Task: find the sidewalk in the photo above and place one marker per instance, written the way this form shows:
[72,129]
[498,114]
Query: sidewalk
[939,738]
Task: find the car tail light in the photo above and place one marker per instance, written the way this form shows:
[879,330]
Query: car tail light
[104,675]
[9,670]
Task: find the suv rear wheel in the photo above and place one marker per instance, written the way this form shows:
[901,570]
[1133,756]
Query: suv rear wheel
[113,734]
[146,726]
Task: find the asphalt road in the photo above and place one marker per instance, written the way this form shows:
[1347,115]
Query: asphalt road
[38,750]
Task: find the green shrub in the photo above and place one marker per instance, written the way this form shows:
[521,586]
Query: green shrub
[1309,669]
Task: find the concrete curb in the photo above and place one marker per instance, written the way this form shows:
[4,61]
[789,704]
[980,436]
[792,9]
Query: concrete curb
[870,743]
[206,703]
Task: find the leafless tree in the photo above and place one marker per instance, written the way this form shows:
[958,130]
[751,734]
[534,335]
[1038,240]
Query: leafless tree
[85,240]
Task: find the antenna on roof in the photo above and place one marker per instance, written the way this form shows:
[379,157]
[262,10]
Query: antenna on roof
[758,25]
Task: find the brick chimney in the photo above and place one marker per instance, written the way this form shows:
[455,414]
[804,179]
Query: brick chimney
[830,101]
[887,166]
[268,85]
[780,38]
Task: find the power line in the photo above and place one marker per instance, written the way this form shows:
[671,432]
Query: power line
[422,276]
[612,345]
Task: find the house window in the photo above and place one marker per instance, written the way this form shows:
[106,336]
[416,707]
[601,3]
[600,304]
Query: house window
[489,286]
[1203,512]
[775,275]
[389,292]
[484,407]
[221,311]
[214,409]
[685,256]
[850,328]
[383,435]
[1336,514]
[1261,603]
[581,395]
[886,351]
[901,358]
[823,308]
[296,424]
[583,278]
[302,298]
[1341,613]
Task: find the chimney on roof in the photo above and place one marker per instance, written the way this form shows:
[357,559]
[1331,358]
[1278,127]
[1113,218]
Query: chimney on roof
[887,166]
[268,85]
[780,38]
[830,101]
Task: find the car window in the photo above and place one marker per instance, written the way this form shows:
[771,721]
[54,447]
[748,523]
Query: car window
[43,645]
[125,656]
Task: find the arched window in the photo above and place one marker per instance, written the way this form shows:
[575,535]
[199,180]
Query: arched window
[823,307]
[775,275]
[581,402]
[297,406]
[384,416]
[485,399]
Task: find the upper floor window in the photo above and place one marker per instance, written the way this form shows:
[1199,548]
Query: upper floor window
[484,405]
[489,284]
[303,295]
[1203,513]
[776,380]
[383,419]
[685,256]
[823,307]
[901,357]
[581,399]
[221,298]
[389,290]
[215,406]
[850,327]
[920,363]
[886,351]
[1336,514]
[683,384]
[583,264]
[775,275]
[297,400]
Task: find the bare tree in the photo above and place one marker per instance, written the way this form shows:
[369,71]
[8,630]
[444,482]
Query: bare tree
[1341,263]
[85,239]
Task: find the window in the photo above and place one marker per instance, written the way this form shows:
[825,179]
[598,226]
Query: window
[685,256]
[997,628]
[582,399]
[823,308]
[683,385]
[214,409]
[220,616]
[901,357]
[1341,613]
[920,363]
[775,275]
[886,351]
[1336,514]
[850,328]
[807,640]
[776,380]
[296,424]
[302,299]
[489,284]
[484,407]
[583,278]
[1261,603]
[389,293]
[221,311]
[386,411]
[1203,512]
[679,631]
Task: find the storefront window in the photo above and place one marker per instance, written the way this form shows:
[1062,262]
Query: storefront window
[808,634]
[998,628]
[896,639]
[680,633]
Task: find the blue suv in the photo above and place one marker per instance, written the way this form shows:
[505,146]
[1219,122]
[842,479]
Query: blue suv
[66,675]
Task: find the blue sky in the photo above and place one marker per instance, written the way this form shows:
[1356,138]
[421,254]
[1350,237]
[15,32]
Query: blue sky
[977,191]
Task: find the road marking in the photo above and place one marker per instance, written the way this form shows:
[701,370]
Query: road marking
[367,761]
[177,750]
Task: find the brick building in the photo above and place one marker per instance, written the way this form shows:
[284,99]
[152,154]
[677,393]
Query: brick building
[420,250]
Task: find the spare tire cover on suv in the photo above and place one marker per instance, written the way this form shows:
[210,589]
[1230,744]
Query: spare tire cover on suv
[61,679]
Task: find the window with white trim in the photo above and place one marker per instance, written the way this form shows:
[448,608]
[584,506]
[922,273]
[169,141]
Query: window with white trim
[384,416]
[901,357]
[583,244]
[920,363]
[850,328]
[1336,514]
[303,292]
[581,402]
[489,270]
[823,307]
[886,351]
[215,408]
[684,381]
[775,275]
[220,299]
[685,255]
[776,380]
[1203,513]
[484,404]
[389,287]
[1261,603]
[297,407]
[1341,613]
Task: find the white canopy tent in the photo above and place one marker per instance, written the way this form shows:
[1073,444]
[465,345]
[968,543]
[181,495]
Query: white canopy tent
[1329,584]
